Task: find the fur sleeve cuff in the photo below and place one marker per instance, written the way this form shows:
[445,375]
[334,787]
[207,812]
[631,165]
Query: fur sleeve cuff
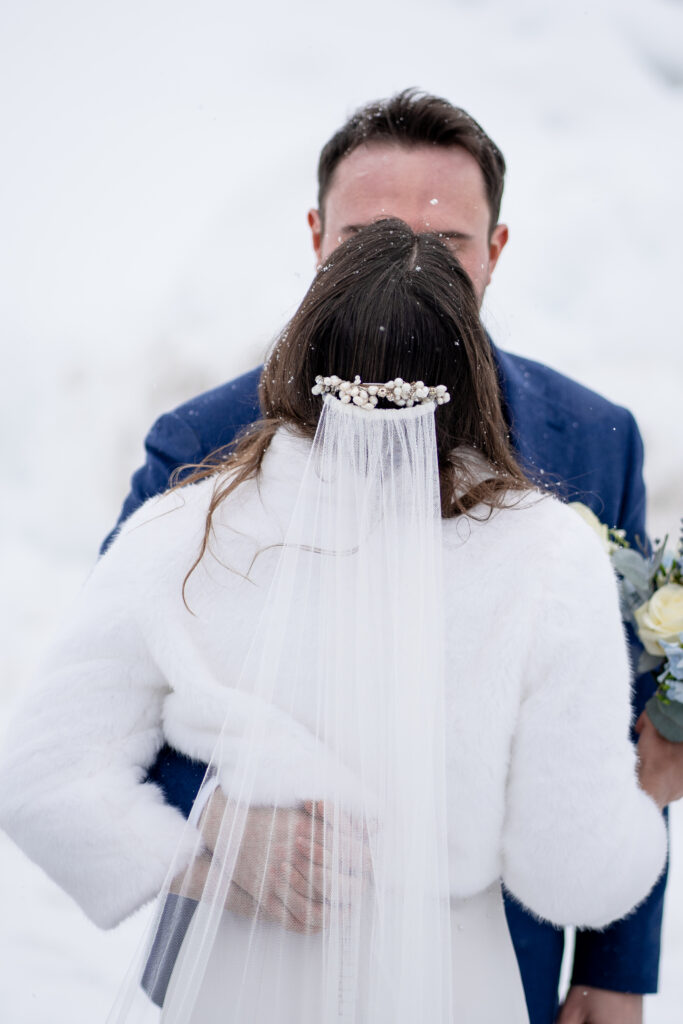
[110,855]
[588,873]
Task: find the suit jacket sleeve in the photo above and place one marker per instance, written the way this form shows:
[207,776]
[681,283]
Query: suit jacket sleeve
[625,957]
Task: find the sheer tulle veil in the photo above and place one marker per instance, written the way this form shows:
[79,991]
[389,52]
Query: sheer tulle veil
[345,801]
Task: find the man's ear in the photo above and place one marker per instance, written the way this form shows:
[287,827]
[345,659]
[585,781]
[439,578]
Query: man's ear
[497,243]
[316,227]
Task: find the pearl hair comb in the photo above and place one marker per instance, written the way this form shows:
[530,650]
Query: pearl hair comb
[366,396]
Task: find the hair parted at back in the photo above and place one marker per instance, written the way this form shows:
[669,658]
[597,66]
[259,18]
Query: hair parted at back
[388,303]
[411,118]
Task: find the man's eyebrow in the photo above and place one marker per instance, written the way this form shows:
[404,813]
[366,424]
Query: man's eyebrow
[352,229]
[454,234]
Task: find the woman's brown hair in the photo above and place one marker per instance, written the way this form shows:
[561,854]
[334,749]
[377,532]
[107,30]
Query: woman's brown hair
[388,303]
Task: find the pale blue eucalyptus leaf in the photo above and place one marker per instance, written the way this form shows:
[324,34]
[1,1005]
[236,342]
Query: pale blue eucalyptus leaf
[649,662]
[636,571]
[674,653]
[675,691]
[629,600]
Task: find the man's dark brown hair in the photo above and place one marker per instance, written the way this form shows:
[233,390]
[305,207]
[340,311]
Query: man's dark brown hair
[413,118]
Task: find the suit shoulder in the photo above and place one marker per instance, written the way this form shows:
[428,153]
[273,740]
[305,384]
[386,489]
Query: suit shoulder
[203,424]
[560,391]
[242,391]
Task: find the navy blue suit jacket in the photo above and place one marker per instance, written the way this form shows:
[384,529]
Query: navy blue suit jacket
[570,440]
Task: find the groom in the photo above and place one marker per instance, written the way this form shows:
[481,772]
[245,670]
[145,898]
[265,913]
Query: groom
[420,159]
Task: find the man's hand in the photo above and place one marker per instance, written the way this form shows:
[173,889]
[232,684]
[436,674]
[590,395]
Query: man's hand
[585,1005]
[283,870]
[660,763]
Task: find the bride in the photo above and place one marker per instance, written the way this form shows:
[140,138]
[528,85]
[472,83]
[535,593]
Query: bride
[404,666]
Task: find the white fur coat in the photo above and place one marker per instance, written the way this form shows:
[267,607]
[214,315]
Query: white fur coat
[542,782]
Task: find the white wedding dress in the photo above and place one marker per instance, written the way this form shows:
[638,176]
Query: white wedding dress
[486,983]
[540,782]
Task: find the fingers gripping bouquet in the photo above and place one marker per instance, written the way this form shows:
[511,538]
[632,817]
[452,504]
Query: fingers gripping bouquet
[651,592]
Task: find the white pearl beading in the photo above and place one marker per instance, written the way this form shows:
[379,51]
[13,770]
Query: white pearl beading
[366,396]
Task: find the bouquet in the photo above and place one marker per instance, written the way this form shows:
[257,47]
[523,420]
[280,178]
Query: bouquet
[651,595]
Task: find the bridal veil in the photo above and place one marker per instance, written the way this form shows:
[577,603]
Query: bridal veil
[355,828]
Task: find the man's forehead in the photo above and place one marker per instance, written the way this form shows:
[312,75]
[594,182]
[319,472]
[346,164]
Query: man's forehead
[425,182]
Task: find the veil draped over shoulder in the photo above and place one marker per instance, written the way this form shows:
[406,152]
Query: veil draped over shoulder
[328,781]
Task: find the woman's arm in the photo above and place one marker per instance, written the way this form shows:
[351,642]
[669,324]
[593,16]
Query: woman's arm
[76,754]
[583,844]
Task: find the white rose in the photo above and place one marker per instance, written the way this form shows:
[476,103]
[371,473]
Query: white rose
[661,618]
[592,520]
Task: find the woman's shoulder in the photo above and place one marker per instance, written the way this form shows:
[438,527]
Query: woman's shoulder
[556,521]
[160,540]
[178,512]
[536,525]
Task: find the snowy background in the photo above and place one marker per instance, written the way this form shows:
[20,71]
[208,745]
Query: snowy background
[158,162]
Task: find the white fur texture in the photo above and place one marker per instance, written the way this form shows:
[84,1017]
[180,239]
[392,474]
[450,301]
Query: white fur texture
[542,783]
